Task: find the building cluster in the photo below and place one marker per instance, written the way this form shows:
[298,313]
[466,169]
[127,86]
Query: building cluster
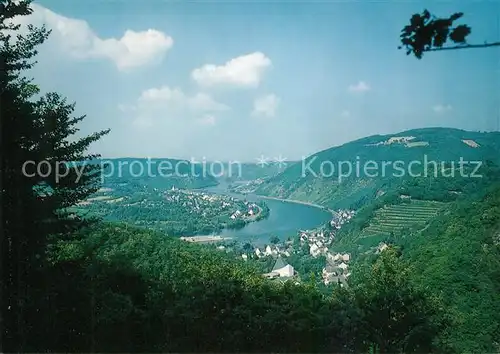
[252,210]
[275,250]
[200,202]
[320,240]
[342,217]
[336,269]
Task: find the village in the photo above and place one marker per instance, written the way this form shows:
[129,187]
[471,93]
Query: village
[336,269]
[200,202]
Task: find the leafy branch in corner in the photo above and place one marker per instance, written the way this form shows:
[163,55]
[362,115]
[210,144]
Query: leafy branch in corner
[427,33]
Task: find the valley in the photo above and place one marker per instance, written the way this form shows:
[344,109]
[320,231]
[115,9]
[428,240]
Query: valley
[249,178]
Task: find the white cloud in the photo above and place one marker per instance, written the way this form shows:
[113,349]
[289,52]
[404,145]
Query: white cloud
[76,38]
[176,98]
[246,70]
[162,95]
[440,108]
[266,106]
[167,103]
[359,87]
[204,102]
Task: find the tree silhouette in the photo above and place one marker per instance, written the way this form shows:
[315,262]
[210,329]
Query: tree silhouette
[34,204]
[428,33]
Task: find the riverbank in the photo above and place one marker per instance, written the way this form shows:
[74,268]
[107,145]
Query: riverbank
[298,202]
[285,218]
[208,238]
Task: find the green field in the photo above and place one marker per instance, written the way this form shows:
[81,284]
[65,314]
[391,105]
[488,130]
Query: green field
[395,218]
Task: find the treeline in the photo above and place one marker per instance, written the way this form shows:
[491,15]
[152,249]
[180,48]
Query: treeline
[119,289]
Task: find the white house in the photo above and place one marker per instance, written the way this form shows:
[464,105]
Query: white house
[281,269]
[343,266]
[382,247]
[314,250]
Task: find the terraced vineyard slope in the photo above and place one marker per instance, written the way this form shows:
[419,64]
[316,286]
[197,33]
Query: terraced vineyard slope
[393,219]
[388,222]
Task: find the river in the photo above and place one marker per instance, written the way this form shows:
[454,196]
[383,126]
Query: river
[285,219]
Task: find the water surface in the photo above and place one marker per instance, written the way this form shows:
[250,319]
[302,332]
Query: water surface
[285,219]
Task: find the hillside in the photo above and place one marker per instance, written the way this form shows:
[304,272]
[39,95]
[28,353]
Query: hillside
[379,163]
[452,246]
[234,171]
[161,173]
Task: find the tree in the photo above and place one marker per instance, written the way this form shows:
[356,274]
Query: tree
[274,240]
[396,316]
[33,132]
[427,33]
[247,247]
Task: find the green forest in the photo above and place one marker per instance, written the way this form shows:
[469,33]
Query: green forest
[176,212]
[105,277]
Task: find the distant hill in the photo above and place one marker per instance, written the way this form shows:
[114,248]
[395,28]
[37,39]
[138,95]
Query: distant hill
[159,173]
[380,163]
[233,172]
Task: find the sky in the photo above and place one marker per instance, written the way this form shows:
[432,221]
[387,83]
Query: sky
[238,80]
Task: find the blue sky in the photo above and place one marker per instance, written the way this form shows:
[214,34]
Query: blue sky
[236,80]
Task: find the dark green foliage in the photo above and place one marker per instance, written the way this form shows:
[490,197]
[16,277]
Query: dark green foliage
[33,130]
[129,290]
[458,257]
[174,296]
[455,258]
[399,317]
[427,32]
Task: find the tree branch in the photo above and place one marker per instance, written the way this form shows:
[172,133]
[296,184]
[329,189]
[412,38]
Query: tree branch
[461,46]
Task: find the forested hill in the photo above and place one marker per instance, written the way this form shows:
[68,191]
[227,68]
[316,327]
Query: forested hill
[114,288]
[314,180]
[454,252]
[162,173]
